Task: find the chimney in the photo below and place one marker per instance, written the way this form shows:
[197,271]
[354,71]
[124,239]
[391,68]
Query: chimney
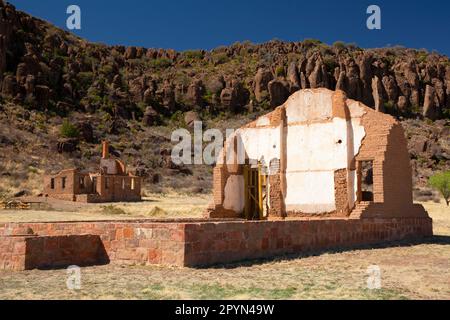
[105,152]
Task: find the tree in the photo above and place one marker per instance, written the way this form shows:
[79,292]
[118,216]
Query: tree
[441,182]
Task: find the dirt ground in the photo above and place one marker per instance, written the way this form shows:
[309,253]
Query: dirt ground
[159,206]
[408,270]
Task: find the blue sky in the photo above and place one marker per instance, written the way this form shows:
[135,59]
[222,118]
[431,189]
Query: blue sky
[205,24]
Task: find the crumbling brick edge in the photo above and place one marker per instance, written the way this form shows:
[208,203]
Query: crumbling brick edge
[190,243]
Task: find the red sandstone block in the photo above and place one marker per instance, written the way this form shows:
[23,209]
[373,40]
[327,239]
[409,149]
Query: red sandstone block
[154,256]
[177,235]
[119,234]
[125,254]
[128,233]
[19,247]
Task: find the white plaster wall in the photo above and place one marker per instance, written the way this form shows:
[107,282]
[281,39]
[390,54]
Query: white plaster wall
[353,188]
[310,192]
[313,155]
[309,105]
[234,194]
[315,147]
[261,143]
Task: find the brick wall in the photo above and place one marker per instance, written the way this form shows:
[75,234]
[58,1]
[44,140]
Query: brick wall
[123,242]
[214,243]
[190,243]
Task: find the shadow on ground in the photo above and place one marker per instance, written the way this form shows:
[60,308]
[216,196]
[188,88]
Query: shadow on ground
[436,240]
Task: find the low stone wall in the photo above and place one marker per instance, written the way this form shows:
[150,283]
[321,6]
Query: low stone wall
[31,252]
[208,244]
[200,243]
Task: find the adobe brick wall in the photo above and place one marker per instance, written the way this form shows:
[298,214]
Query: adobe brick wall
[192,243]
[214,243]
[12,253]
[29,252]
[124,242]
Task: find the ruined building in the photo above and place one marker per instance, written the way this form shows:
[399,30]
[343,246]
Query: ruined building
[111,183]
[320,172]
[318,155]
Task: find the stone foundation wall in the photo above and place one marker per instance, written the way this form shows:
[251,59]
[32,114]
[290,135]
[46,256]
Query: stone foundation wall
[208,244]
[196,243]
[30,252]
[123,243]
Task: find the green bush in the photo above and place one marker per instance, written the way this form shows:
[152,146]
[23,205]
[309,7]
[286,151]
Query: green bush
[68,130]
[279,71]
[160,63]
[193,54]
[441,182]
[339,45]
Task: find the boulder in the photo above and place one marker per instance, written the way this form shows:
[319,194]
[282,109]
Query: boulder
[190,117]
[195,93]
[9,86]
[278,91]
[429,107]
[293,77]
[151,117]
[67,145]
[42,94]
[168,99]
[130,53]
[377,93]
[261,82]
[86,131]
[235,96]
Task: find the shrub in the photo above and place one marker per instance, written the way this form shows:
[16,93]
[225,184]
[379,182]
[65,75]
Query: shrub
[311,42]
[339,45]
[441,182]
[279,71]
[193,54]
[160,63]
[5,195]
[220,58]
[68,130]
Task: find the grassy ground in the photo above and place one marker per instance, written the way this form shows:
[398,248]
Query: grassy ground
[159,206]
[408,271]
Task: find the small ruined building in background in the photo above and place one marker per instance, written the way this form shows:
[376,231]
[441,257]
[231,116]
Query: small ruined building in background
[318,155]
[112,183]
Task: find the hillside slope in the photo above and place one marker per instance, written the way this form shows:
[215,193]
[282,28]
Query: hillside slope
[135,96]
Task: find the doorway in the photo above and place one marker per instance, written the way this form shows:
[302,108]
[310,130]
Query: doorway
[365,180]
[255,188]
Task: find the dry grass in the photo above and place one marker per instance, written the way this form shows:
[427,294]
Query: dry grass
[154,206]
[409,271]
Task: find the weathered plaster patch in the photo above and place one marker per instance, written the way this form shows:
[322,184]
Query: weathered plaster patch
[307,105]
[261,143]
[234,194]
[263,121]
[356,109]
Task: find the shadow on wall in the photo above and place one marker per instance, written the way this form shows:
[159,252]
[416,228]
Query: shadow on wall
[58,252]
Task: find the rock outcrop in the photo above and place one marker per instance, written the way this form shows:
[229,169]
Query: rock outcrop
[42,66]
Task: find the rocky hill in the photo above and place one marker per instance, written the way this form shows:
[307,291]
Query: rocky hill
[51,79]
